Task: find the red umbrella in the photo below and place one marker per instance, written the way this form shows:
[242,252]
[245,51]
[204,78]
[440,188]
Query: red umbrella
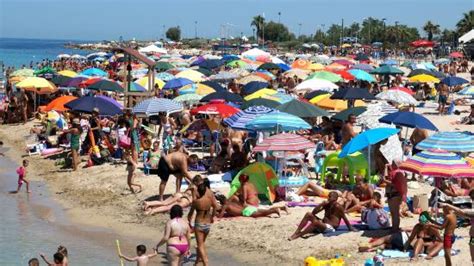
[345,75]
[407,90]
[215,107]
[285,142]
[89,82]
[423,43]
[456,55]
[343,62]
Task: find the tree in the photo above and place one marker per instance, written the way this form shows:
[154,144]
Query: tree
[258,22]
[277,32]
[353,30]
[334,34]
[431,29]
[448,36]
[465,24]
[320,37]
[174,33]
[372,30]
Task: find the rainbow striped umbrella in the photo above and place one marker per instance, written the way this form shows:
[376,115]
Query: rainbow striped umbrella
[285,142]
[438,163]
[448,141]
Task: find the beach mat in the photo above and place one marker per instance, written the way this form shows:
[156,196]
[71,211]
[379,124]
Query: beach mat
[394,253]
[293,204]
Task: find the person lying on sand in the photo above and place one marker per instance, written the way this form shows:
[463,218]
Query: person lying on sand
[234,209]
[333,213]
[182,199]
[424,238]
[312,189]
[362,193]
[142,258]
[396,241]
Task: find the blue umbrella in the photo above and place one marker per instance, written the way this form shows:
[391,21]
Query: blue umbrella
[408,119]
[154,106]
[177,83]
[277,122]
[253,86]
[365,139]
[284,67]
[453,81]
[448,141]
[391,62]
[223,95]
[164,76]
[240,119]
[96,72]
[361,75]
[215,85]
[230,57]
[365,67]
[208,63]
[88,103]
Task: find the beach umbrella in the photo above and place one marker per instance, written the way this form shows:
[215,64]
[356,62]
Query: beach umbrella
[202,125]
[454,81]
[241,118]
[302,109]
[319,97]
[215,107]
[155,106]
[315,67]
[24,72]
[420,71]
[448,141]
[240,72]
[423,78]
[144,83]
[269,66]
[316,84]
[365,67]
[105,85]
[337,105]
[209,63]
[467,91]
[89,82]
[94,72]
[438,163]
[45,70]
[336,66]
[404,89]
[282,97]
[456,55]
[344,114]
[206,72]
[299,73]
[201,89]
[177,83]
[237,64]
[370,118]
[60,80]
[278,122]
[260,93]
[191,98]
[391,62]
[301,64]
[213,84]
[230,57]
[397,96]
[344,74]
[76,81]
[191,74]
[164,76]
[408,119]
[223,95]
[58,104]
[260,102]
[163,66]
[224,75]
[343,62]
[86,104]
[110,100]
[422,43]
[325,75]
[352,94]
[250,78]
[284,67]
[438,74]
[311,94]
[284,142]
[254,86]
[361,75]
[361,57]
[37,85]
[67,73]
[387,70]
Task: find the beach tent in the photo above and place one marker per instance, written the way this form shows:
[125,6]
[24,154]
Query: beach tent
[356,164]
[153,49]
[262,176]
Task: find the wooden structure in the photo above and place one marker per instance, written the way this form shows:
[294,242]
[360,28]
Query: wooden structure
[134,97]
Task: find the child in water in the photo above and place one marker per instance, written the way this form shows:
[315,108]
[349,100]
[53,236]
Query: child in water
[141,258]
[60,257]
[21,171]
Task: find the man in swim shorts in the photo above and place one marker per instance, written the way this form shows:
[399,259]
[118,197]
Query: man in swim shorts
[175,163]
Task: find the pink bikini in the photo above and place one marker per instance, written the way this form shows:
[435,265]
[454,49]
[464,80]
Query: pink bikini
[182,248]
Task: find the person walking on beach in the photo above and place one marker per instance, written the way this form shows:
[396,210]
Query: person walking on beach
[175,163]
[177,236]
[21,171]
[203,203]
[1,145]
[142,258]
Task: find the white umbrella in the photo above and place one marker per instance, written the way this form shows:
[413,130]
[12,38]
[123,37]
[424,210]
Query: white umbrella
[397,96]
[370,118]
[78,56]
[316,84]
[61,56]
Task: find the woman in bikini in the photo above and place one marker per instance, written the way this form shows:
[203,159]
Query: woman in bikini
[177,236]
[182,199]
[154,156]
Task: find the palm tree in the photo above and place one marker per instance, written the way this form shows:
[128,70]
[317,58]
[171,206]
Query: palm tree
[431,29]
[258,22]
[466,23]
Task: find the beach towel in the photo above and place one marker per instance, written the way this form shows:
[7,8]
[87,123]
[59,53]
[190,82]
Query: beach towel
[393,253]
[292,204]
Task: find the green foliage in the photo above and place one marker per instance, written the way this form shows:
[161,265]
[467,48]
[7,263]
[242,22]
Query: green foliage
[431,29]
[275,31]
[174,33]
[465,24]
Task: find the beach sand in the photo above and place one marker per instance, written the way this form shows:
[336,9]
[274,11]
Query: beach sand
[99,196]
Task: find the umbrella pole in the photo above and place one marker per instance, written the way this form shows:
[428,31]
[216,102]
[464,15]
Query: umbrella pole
[368,170]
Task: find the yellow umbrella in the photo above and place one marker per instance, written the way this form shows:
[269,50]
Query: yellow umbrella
[337,105]
[250,78]
[67,73]
[260,93]
[191,74]
[319,98]
[38,85]
[203,89]
[316,66]
[470,159]
[16,79]
[424,78]
[144,82]
[346,45]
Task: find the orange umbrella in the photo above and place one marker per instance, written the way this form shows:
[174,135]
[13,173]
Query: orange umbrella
[89,82]
[58,104]
[263,75]
[301,63]
[337,105]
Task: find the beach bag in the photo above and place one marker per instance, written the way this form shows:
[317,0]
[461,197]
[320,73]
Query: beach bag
[420,203]
[375,218]
[125,141]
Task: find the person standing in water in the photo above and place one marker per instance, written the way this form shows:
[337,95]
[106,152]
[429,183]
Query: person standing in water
[203,202]
[21,171]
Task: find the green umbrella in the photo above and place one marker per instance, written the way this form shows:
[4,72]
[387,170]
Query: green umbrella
[105,85]
[45,70]
[269,66]
[260,102]
[237,63]
[24,72]
[163,66]
[329,76]
[206,72]
[189,98]
[386,70]
[343,115]
[302,109]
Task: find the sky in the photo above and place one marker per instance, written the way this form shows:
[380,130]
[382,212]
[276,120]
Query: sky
[145,19]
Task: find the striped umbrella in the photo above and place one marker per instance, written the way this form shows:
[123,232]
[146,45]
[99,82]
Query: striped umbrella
[188,98]
[240,119]
[284,142]
[277,122]
[438,163]
[397,96]
[448,141]
[467,91]
[154,106]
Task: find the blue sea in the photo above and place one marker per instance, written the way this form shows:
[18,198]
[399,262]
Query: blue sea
[17,52]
